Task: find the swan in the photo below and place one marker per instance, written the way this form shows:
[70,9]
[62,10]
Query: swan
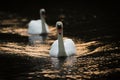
[38,29]
[60,47]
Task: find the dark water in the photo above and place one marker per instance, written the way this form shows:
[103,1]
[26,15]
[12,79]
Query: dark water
[16,67]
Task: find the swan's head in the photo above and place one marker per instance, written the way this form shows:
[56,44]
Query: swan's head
[42,11]
[59,26]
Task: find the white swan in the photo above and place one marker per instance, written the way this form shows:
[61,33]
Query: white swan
[62,48]
[38,29]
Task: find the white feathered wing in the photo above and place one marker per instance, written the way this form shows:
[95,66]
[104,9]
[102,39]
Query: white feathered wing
[69,45]
[35,27]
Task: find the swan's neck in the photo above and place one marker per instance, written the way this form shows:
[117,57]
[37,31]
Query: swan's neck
[43,24]
[61,47]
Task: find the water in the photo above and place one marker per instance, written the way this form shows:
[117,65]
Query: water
[16,67]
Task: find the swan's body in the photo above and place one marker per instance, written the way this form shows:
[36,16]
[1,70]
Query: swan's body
[35,27]
[69,49]
[38,29]
[62,48]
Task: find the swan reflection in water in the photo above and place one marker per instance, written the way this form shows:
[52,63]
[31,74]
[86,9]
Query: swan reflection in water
[37,38]
[59,62]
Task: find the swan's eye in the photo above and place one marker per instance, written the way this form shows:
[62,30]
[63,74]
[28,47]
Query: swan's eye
[59,27]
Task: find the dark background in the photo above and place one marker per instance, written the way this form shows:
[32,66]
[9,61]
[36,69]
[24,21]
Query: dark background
[21,6]
[88,14]
[31,7]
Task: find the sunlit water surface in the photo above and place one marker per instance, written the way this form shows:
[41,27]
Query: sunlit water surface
[14,67]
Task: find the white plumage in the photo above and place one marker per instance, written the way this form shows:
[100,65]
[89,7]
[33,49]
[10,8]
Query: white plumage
[69,48]
[35,27]
[60,47]
[38,29]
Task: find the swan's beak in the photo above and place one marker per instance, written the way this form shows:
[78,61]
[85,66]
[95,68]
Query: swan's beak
[44,14]
[60,31]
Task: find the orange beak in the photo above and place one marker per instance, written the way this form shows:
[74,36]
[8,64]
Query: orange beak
[59,31]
